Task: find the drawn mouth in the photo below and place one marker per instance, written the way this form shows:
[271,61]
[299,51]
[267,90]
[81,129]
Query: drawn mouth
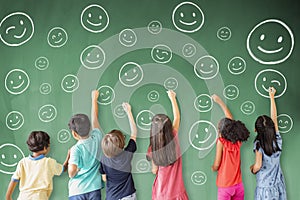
[94,24]
[20,36]
[203,141]
[188,23]
[45,113]
[206,72]
[59,41]
[20,85]
[269,51]
[92,62]
[131,79]
[8,165]
[72,86]
[15,124]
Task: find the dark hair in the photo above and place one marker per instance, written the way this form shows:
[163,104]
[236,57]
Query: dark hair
[81,124]
[162,142]
[266,135]
[113,143]
[38,140]
[233,130]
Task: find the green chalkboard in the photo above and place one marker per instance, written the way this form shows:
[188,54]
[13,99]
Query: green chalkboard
[54,53]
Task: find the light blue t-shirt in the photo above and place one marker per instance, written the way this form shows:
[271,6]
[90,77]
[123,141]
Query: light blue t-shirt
[86,155]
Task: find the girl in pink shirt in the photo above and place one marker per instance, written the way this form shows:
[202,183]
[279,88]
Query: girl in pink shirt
[164,151]
[228,159]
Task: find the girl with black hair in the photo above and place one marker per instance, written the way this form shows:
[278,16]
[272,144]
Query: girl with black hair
[228,159]
[267,147]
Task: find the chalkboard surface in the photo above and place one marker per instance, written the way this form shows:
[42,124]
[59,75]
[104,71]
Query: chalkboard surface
[54,53]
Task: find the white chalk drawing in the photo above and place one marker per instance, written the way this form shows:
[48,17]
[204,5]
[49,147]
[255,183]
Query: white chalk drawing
[206,67]
[189,50]
[14,120]
[16,81]
[203,103]
[47,113]
[92,57]
[10,155]
[63,136]
[236,65]
[57,37]
[199,178]
[70,83]
[41,63]
[94,18]
[45,88]
[106,95]
[153,96]
[127,37]
[143,119]
[285,123]
[231,92]
[161,53]
[247,107]
[154,27]
[171,83]
[224,33]
[131,74]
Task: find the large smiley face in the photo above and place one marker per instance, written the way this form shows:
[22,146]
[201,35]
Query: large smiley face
[270,78]
[270,42]
[70,83]
[94,18]
[198,178]
[236,65]
[63,136]
[143,166]
[131,74]
[285,123]
[106,95]
[10,155]
[248,107]
[16,81]
[57,37]
[16,29]
[45,88]
[224,33]
[202,135]
[203,103]
[188,50]
[187,17]
[41,63]
[231,92]
[171,83]
[144,119]
[153,96]
[14,120]
[206,67]
[154,27]
[47,113]
[92,57]
[161,53]
[127,37]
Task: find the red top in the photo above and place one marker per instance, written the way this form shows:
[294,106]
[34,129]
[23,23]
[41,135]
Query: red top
[168,183]
[229,172]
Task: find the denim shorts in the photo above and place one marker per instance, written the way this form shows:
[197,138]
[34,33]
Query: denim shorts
[94,195]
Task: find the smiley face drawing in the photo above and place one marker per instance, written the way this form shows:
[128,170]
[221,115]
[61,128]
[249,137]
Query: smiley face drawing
[127,37]
[236,65]
[16,81]
[248,107]
[171,83]
[161,53]
[270,42]
[16,29]
[154,27]
[94,18]
[63,136]
[187,17]
[270,78]
[70,83]
[199,178]
[10,155]
[153,96]
[119,111]
[224,33]
[131,74]
[106,95]
[231,92]
[45,88]
[47,113]
[57,37]
[14,120]
[188,50]
[203,103]
[143,166]
[285,123]
[206,67]
[41,63]
[202,135]
[92,57]
[144,119]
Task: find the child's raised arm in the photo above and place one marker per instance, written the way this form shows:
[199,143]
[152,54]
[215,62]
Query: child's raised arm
[176,112]
[273,109]
[225,109]
[127,108]
[94,114]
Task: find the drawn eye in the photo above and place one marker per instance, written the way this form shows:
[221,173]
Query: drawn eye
[280,39]
[262,37]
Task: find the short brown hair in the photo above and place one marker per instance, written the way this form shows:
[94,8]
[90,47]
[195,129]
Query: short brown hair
[37,141]
[113,143]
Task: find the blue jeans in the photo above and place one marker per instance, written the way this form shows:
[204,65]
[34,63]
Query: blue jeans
[94,195]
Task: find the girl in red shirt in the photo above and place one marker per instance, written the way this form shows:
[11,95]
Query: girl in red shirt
[228,159]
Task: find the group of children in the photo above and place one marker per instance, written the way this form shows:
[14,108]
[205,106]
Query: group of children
[97,157]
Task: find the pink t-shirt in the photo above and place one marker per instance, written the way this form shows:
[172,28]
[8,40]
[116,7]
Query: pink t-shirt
[229,172]
[168,183]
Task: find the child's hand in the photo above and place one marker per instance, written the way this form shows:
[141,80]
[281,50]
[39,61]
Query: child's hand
[126,106]
[272,92]
[95,94]
[171,94]
[216,98]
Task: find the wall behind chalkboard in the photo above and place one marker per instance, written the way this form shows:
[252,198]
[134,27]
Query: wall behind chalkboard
[54,53]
